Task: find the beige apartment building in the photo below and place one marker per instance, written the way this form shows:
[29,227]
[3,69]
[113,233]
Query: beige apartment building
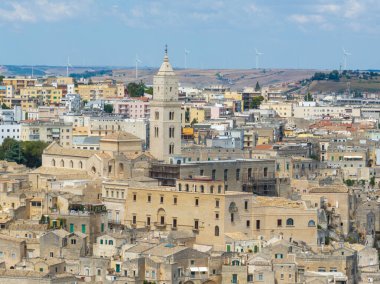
[283,109]
[19,83]
[43,94]
[100,91]
[211,212]
[47,132]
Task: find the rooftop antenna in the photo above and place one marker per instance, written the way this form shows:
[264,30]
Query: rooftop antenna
[345,55]
[137,65]
[258,54]
[67,66]
[187,52]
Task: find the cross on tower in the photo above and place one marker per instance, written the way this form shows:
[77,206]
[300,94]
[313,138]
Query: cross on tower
[166,49]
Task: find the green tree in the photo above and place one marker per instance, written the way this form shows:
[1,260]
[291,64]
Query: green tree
[149,90]
[108,108]
[1,78]
[256,101]
[32,153]
[372,181]
[334,75]
[257,87]
[136,89]
[308,98]
[12,151]
[4,106]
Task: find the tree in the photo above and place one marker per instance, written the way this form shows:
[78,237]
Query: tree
[256,101]
[372,181]
[12,151]
[257,87]
[136,89]
[1,78]
[108,108]
[334,75]
[319,76]
[4,106]
[149,90]
[308,98]
[32,153]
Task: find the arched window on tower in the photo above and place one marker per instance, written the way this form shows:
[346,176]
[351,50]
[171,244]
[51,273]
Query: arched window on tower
[171,132]
[71,164]
[155,131]
[62,164]
[216,231]
[171,148]
[53,163]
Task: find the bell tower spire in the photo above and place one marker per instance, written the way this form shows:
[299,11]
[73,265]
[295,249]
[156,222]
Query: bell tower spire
[165,114]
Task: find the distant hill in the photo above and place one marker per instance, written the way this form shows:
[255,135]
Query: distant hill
[234,78]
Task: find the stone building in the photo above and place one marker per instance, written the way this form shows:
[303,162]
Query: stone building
[165,115]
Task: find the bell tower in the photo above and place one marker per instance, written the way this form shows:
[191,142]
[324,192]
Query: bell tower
[165,114]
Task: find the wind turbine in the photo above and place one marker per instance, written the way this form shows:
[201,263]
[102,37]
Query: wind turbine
[345,56]
[67,66]
[187,52]
[258,54]
[137,61]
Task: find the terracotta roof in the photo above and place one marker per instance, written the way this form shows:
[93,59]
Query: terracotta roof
[264,147]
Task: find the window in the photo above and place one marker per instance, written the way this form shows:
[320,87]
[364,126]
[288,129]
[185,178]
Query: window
[279,256]
[157,115]
[196,224]
[217,216]
[175,200]
[216,233]
[196,201]
[101,241]
[71,228]
[213,174]
[202,189]
[83,228]
[249,172]
[171,115]
[212,189]
[311,223]
[246,204]
[51,254]
[257,224]
[225,174]
[162,220]
[232,217]
[156,131]
[219,189]
[99,272]
[237,174]
[134,197]
[174,222]
[260,277]
[171,132]
[217,203]
[248,223]
[110,242]
[201,172]
[149,198]
[134,219]
[279,222]
[321,269]
[73,241]
[265,172]
[148,221]
[289,222]
[161,199]
[171,148]
[102,227]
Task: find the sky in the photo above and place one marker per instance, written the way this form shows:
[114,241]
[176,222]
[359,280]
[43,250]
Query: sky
[306,34]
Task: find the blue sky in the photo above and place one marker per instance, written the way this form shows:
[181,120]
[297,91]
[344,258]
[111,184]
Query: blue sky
[218,34]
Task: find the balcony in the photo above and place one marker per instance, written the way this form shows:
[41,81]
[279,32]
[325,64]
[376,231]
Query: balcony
[159,225]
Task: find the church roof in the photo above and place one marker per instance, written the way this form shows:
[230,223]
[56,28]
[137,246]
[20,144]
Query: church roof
[58,150]
[166,68]
[121,136]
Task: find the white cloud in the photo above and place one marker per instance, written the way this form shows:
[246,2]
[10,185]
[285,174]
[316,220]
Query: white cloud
[306,19]
[41,10]
[354,8]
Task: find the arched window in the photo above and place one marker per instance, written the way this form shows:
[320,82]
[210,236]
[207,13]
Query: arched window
[110,242]
[171,132]
[53,163]
[80,165]
[216,231]
[121,167]
[62,164]
[171,148]
[289,222]
[93,170]
[311,223]
[179,187]
[187,187]
[71,164]
[219,189]
[202,189]
[212,189]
